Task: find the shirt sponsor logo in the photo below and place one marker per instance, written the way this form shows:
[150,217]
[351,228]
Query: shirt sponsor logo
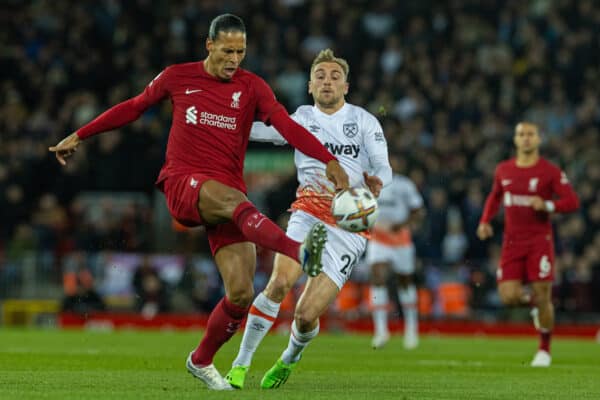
[209,119]
[517,200]
[379,137]
[191,115]
[343,149]
[235,99]
[350,129]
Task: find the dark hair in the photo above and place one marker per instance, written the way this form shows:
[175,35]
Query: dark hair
[225,23]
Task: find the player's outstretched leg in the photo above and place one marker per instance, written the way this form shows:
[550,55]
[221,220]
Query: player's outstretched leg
[207,374]
[311,250]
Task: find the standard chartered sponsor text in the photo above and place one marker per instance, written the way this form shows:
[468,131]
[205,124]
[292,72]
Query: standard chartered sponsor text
[218,120]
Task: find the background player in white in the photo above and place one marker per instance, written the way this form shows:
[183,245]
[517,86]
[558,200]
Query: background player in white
[356,137]
[391,248]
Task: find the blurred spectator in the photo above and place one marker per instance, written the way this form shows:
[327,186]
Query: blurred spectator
[151,293]
[78,283]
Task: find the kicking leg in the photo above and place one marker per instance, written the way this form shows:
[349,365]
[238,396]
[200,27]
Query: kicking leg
[220,203]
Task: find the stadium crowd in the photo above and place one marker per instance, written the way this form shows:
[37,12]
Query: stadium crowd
[448,81]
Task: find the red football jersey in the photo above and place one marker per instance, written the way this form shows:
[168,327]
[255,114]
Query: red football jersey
[211,119]
[516,186]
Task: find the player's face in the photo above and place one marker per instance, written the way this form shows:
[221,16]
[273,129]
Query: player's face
[225,53]
[527,138]
[328,84]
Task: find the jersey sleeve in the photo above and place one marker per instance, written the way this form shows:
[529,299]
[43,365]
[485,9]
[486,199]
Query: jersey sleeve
[493,200]
[567,200]
[266,103]
[412,196]
[128,110]
[263,133]
[376,146]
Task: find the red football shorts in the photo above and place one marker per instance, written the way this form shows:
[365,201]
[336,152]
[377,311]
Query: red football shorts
[527,259]
[181,192]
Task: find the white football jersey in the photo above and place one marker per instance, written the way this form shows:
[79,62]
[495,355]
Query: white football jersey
[352,134]
[397,200]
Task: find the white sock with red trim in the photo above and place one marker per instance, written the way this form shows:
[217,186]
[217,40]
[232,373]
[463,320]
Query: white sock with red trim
[379,304]
[261,317]
[297,344]
[408,299]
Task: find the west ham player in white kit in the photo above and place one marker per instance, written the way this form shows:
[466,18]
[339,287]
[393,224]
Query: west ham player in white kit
[356,137]
[391,248]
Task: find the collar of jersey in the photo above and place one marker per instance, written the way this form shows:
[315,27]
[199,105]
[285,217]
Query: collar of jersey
[341,111]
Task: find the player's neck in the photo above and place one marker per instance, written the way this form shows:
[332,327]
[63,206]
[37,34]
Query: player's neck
[527,160]
[331,110]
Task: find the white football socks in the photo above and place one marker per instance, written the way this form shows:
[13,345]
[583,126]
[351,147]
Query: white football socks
[297,343]
[261,317]
[408,299]
[379,303]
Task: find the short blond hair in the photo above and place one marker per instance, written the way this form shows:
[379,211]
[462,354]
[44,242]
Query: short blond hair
[328,56]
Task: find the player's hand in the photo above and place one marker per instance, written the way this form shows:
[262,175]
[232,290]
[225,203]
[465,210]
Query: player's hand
[65,148]
[337,175]
[484,231]
[538,204]
[373,183]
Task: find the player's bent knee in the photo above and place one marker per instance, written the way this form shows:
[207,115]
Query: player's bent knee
[306,319]
[241,297]
[277,289]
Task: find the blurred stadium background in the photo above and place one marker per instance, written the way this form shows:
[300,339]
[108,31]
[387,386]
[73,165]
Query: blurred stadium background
[448,81]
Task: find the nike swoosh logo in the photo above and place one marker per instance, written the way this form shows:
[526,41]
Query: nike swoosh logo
[188,91]
[506,182]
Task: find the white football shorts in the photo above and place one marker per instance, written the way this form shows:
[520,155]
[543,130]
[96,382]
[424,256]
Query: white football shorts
[401,258]
[342,250]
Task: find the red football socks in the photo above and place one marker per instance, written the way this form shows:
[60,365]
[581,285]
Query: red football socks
[261,230]
[545,337]
[223,323]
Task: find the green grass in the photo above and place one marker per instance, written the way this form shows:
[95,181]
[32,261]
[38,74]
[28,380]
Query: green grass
[49,364]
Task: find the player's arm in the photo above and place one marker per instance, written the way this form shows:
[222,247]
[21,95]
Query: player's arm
[115,117]
[269,110]
[566,200]
[492,205]
[266,134]
[375,144]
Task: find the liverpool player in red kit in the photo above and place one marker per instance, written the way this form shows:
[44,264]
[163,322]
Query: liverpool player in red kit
[214,105]
[531,188]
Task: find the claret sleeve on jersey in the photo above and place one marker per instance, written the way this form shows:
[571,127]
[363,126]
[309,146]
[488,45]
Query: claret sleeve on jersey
[129,110]
[377,149]
[269,110]
[492,203]
[567,200]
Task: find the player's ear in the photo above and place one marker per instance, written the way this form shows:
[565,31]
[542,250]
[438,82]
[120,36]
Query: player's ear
[209,45]
[309,87]
[346,87]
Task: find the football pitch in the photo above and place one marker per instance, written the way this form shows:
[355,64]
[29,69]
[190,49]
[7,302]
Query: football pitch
[53,364]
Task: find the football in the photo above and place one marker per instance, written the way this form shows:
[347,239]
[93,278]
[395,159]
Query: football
[355,209]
